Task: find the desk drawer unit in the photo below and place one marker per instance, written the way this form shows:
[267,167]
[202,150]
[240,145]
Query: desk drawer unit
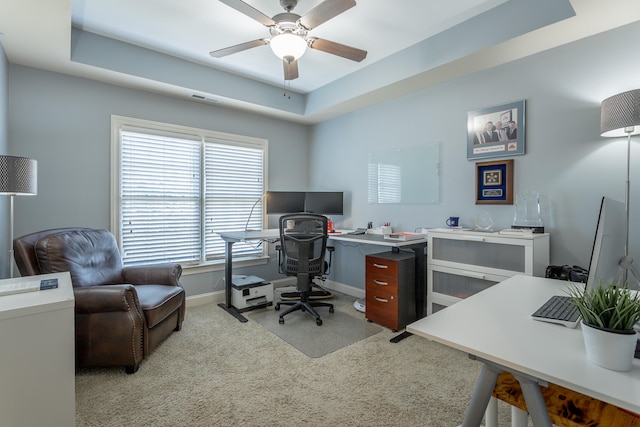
[390,289]
[460,263]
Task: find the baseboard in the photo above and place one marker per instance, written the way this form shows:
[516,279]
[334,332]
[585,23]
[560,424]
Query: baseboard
[217,297]
[345,289]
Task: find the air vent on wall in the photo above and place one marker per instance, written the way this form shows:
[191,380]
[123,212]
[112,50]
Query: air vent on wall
[204,98]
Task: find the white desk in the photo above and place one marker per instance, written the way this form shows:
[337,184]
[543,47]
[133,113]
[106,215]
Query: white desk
[372,239]
[37,357]
[495,327]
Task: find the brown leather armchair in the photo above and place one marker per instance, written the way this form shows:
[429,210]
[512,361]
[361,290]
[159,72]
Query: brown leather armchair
[121,313]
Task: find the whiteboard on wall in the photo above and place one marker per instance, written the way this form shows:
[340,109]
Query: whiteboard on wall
[405,175]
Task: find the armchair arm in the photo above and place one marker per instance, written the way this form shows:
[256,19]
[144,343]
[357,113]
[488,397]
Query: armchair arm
[154,274]
[106,299]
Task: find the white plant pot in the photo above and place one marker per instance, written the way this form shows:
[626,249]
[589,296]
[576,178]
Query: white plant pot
[609,349]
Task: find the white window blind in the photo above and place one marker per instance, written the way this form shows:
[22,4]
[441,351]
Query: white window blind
[178,190]
[233,194]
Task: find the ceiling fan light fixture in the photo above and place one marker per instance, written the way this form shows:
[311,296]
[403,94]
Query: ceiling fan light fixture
[287,44]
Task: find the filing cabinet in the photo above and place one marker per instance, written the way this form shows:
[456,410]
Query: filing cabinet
[461,263]
[390,289]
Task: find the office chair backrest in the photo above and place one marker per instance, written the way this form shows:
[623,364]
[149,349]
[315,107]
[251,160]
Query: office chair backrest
[303,238]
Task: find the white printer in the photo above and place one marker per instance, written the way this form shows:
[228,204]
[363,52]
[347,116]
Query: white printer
[250,292]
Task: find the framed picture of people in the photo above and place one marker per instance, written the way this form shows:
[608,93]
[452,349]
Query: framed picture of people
[496,131]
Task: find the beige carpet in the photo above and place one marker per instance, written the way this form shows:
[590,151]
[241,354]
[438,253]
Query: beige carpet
[220,372]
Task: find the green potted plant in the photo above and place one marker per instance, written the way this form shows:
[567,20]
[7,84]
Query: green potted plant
[609,312]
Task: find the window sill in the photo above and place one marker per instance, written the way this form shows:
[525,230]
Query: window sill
[214,266]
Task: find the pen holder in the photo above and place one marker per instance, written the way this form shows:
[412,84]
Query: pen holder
[386,229]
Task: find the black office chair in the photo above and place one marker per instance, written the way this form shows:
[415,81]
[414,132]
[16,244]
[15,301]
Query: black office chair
[303,243]
[317,282]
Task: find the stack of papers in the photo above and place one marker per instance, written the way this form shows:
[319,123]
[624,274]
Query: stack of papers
[403,236]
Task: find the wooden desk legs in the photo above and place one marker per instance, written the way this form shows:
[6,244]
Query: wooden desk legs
[228,274]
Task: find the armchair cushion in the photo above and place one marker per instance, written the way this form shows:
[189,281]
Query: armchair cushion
[158,302]
[91,256]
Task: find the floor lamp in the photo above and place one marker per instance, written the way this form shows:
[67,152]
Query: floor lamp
[18,177]
[620,116]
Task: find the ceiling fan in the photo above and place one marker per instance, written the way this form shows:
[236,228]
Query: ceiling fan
[289,33]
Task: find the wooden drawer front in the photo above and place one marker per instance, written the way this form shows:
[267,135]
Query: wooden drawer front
[383,266]
[382,308]
[381,282]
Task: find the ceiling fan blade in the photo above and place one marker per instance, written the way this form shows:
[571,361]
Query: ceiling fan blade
[290,69]
[334,48]
[250,11]
[237,48]
[325,11]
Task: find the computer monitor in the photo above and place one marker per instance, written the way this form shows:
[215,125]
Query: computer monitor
[608,244]
[284,202]
[324,202]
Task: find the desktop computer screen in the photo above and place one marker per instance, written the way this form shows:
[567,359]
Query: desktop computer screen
[324,202]
[608,244]
[284,202]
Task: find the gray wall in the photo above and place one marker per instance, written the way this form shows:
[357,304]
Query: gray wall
[566,160]
[64,123]
[4,201]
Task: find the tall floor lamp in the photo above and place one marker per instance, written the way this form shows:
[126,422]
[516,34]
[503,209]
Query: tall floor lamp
[620,116]
[18,177]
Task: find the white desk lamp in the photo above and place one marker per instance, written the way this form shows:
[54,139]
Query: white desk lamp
[18,177]
[620,116]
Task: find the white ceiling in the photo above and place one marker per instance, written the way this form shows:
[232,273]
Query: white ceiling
[411,44]
[190,29]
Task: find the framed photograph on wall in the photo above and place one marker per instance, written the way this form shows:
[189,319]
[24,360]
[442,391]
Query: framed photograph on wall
[494,183]
[496,131]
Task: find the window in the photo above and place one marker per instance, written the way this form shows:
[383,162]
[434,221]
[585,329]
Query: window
[175,188]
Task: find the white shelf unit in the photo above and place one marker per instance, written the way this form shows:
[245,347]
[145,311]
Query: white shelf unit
[462,263]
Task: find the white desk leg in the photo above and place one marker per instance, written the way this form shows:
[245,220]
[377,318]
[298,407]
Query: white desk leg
[535,402]
[519,418]
[481,396]
[491,414]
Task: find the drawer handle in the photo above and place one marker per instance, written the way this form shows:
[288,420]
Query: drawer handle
[380,299]
[380,265]
[472,274]
[377,282]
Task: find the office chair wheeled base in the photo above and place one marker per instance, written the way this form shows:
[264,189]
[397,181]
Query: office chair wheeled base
[304,305]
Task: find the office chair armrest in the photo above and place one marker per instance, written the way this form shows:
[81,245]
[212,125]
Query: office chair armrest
[279,249]
[330,249]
